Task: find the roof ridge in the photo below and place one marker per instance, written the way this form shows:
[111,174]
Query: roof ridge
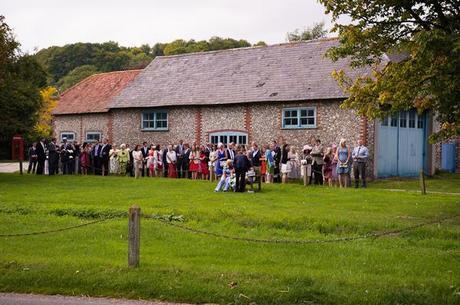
[246,48]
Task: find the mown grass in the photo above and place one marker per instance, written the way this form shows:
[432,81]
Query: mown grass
[419,267]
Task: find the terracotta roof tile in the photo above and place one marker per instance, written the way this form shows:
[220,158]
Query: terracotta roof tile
[94,93]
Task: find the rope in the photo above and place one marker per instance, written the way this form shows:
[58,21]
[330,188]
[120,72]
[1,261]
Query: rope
[55,230]
[306,241]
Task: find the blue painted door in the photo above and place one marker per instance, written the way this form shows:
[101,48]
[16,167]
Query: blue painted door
[402,144]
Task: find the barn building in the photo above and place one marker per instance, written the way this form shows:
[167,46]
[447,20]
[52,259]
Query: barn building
[242,95]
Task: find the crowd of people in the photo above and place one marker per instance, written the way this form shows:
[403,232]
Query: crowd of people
[231,165]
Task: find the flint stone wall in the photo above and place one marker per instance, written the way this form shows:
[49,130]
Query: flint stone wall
[80,124]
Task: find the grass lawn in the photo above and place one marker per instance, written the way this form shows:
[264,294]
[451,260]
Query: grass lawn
[417,267]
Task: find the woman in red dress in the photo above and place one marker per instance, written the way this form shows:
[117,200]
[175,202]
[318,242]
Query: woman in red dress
[194,165]
[203,163]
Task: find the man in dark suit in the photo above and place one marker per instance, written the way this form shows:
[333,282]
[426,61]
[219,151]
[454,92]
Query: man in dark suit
[41,156]
[186,161]
[165,162]
[145,154]
[104,156]
[180,158]
[67,157]
[53,157]
[277,159]
[96,159]
[241,167]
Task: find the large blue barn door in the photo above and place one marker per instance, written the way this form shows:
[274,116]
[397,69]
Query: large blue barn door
[401,144]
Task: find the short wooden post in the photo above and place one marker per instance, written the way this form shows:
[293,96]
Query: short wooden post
[20,166]
[134,219]
[211,174]
[422,182]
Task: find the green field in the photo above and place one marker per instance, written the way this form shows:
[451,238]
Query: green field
[417,267]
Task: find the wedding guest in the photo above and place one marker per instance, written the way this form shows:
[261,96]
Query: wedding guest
[285,165]
[104,154]
[220,159]
[360,155]
[195,166]
[179,149]
[224,182]
[138,161]
[84,158]
[113,161]
[145,154]
[53,157]
[343,157]
[334,165]
[327,167]
[171,159]
[270,163]
[32,158]
[294,163]
[123,156]
[151,161]
[204,163]
[277,161]
[158,159]
[242,165]
[317,164]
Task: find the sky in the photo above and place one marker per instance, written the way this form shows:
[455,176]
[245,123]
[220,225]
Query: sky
[42,23]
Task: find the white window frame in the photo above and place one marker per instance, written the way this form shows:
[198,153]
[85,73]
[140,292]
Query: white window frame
[66,134]
[155,121]
[92,132]
[227,134]
[299,125]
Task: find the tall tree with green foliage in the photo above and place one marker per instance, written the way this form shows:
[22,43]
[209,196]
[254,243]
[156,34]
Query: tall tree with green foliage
[21,79]
[424,39]
[315,32]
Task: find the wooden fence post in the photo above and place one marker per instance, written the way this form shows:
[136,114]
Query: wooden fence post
[134,219]
[422,182]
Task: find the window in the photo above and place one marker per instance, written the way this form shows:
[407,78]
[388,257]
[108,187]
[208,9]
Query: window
[69,135]
[394,120]
[385,121]
[155,120]
[299,117]
[229,136]
[93,136]
[420,121]
[412,119]
[403,119]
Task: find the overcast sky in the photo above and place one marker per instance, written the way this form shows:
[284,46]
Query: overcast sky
[43,23]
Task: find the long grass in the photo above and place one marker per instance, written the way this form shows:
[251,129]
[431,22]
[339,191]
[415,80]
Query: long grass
[418,267]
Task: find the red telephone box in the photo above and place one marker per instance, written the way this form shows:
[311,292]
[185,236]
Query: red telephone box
[17,148]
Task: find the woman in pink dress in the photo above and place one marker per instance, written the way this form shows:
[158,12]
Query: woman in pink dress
[84,159]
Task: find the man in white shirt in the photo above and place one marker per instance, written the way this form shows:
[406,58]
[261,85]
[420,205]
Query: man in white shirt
[360,155]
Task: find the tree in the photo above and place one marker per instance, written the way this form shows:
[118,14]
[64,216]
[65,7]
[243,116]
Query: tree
[75,76]
[21,78]
[42,128]
[413,49]
[315,32]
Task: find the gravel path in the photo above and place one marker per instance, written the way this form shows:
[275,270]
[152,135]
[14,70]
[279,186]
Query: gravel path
[13,167]
[33,299]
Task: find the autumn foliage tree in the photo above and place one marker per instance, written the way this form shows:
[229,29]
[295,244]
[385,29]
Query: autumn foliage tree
[413,48]
[43,127]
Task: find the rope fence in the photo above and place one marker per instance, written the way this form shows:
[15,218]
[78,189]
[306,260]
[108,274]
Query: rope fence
[134,216]
[308,241]
[56,230]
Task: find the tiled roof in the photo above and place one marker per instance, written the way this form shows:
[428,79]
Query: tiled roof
[94,93]
[283,72]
